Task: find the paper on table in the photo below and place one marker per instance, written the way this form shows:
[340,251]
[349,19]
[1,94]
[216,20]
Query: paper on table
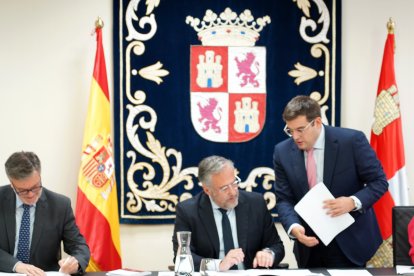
[346,272]
[405,269]
[310,208]
[126,272]
[48,273]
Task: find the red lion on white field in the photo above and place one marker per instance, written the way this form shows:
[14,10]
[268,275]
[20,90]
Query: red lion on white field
[207,115]
[245,70]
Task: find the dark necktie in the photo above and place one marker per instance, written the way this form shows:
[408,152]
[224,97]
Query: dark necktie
[23,247]
[227,236]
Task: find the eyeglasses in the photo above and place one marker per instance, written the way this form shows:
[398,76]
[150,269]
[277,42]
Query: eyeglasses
[25,192]
[300,130]
[234,185]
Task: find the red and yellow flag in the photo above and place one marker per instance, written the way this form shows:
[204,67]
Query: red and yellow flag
[97,206]
[387,140]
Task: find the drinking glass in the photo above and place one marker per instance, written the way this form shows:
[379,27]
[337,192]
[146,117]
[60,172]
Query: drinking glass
[208,267]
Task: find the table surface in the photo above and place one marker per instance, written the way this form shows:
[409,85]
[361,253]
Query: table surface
[373,271]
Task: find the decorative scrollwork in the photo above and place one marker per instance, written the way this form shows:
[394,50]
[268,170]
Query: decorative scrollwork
[153,72]
[131,16]
[324,18]
[268,178]
[141,122]
[302,73]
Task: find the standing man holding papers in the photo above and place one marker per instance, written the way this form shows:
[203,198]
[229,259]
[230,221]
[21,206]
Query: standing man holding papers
[344,161]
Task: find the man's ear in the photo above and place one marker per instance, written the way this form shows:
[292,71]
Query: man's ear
[206,189]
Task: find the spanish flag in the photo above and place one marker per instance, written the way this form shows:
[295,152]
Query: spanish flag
[97,206]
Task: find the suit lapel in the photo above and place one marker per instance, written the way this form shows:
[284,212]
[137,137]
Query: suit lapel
[39,222]
[207,219]
[331,154]
[242,221]
[298,164]
[9,209]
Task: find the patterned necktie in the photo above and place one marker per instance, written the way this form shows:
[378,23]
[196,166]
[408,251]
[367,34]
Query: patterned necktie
[311,168]
[227,236]
[23,247]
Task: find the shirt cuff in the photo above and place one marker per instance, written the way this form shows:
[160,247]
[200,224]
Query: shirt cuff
[14,267]
[217,264]
[357,202]
[290,230]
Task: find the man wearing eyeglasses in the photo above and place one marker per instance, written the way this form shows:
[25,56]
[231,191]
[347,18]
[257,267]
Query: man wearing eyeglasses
[34,221]
[220,209]
[344,161]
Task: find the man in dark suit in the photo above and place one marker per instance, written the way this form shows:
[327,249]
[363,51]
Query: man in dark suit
[50,221]
[255,239]
[344,161]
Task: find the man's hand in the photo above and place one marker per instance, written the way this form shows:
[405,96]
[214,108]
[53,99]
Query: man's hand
[29,270]
[338,206]
[263,259]
[299,233]
[69,265]
[234,257]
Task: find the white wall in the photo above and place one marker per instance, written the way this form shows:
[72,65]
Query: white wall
[46,62]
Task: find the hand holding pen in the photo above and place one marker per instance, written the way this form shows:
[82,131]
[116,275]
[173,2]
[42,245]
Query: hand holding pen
[69,265]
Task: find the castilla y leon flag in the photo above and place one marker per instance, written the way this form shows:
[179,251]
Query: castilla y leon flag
[97,206]
[387,140]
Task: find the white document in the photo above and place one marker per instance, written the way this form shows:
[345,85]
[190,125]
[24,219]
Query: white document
[310,208]
[48,273]
[347,272]
[125,272]
[405,269]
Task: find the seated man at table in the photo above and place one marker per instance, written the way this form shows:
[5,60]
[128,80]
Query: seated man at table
[232,226]
[34,221]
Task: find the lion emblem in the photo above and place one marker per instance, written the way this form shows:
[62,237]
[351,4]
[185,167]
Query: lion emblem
[207,115]
[245,72]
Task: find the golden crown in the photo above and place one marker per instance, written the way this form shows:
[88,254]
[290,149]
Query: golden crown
[228,29]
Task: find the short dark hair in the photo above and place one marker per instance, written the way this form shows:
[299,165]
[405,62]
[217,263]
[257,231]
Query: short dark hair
[302,106]
[22,164]
[211,165]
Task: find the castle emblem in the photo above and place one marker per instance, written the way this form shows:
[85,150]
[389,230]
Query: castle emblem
[228,76]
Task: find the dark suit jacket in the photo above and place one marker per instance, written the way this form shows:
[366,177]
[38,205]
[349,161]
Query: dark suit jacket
[255,228]
[350,168]
[54,222]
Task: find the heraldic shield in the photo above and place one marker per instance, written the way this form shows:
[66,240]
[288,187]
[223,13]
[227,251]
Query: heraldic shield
[228,92]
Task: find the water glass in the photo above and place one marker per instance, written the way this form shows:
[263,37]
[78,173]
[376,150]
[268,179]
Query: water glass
[208,267]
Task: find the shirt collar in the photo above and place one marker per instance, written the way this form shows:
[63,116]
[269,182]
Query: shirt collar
[320,142]
[215,206]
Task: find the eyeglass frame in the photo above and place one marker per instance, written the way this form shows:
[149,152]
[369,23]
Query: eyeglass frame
[25,192]
[300,130]
[234,185]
